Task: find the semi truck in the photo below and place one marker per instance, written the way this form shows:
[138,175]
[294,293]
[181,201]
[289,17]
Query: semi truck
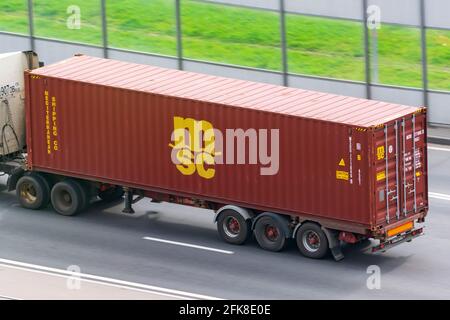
[275,163]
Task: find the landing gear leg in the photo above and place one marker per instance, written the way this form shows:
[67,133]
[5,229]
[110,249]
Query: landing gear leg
[128,201]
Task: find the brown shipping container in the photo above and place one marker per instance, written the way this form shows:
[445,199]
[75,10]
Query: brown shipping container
[112,121]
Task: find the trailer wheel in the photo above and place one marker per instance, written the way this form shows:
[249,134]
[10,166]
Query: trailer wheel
[68,197]
[33,191]
[270,234]
[312,241]
[233,227]
[111,194]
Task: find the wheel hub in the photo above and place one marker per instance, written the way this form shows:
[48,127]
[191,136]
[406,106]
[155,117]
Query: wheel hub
[28,192]
[271,232]
[67,198]
[311,241]
[232,227]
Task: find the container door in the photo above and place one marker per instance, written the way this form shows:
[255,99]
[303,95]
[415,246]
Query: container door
[400,162]
[413,174]
[388,177]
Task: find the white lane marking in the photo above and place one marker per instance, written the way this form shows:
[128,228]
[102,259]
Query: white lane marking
[188,245]
[104,280]
[439,149]
[441,196]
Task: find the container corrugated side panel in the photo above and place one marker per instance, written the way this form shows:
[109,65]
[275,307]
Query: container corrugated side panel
[123,136]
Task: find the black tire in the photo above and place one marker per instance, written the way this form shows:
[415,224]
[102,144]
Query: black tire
[33,191]
[111,194]
[312,241]
[85,193]
[270,234]
[233,228]
[68,197]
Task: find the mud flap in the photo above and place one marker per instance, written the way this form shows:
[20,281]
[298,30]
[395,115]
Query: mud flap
[14,176]
[334,243]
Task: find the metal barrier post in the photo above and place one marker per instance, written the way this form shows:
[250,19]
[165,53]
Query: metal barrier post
[423,44]
[104,29]
[284,57]
[31,24]
[366,49]
[179,34]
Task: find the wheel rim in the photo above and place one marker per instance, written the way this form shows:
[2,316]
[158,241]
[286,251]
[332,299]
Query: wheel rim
[271,232]
[65,199]
[232,227]
[311,241]
[28,192]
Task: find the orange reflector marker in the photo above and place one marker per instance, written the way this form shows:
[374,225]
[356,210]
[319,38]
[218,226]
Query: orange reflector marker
[400,229]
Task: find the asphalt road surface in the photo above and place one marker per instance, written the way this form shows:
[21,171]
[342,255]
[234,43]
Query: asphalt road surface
[177,248]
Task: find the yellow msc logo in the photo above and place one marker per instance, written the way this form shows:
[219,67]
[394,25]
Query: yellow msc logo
[380,153]
[193,147]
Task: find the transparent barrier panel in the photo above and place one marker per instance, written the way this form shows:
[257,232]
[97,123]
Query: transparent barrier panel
[52,51]
[398,11]
[147,26]
[10,43]
[325,47]
[437,13]
[395,55]
[331,86]
[233,72]
[78,21]
[166,62]
[14,16]
[346,9]
[263,4]
[398,95]
[439,110]
[438,53]
[232,35]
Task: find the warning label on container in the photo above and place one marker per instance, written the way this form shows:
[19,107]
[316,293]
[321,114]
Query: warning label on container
[342,162]
[341,175]
[381,175]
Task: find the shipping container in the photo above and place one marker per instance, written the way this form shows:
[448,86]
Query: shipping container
[267,158]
